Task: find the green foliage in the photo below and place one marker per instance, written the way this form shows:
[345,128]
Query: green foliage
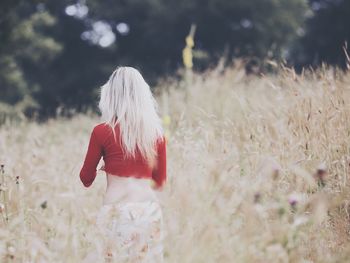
[326,33]
[24,44]
[45,62]
[249,28]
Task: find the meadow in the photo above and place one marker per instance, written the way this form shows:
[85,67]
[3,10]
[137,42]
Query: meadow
[258,171]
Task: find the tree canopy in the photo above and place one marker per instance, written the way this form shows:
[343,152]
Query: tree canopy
[58,52]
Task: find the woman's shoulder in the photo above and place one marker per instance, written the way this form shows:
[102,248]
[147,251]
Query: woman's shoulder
[104,129]
[101,132]
[100,126]
[101,129]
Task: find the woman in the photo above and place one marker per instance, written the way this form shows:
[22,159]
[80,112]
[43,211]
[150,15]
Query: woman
[133,148]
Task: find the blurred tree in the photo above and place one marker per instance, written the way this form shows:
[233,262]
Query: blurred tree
[44,63]
[23,45]
[58,52]
[260,28]
[72,79]
[325,34]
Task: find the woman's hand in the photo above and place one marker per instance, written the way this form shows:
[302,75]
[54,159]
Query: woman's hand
[156,187]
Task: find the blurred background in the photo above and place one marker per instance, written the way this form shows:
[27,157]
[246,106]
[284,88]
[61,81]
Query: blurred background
[258,155]
[54,54]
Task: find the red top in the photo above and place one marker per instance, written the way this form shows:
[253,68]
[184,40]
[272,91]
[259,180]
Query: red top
[103,144]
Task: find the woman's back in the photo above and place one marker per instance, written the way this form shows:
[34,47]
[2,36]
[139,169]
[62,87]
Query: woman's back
[104,143]
[128,189]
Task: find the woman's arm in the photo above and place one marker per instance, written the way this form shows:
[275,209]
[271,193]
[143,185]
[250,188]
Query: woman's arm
[92,158]
[159,173]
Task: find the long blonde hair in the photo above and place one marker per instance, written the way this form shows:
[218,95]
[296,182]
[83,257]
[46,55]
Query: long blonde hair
[127,100]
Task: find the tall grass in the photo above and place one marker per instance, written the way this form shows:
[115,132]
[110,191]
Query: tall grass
[258,171]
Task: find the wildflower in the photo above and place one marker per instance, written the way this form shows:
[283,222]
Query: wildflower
[43,205]
[166,120]
[187,57]
[187,51]
[275,174]
[321,174]
[293,200]
[257,197]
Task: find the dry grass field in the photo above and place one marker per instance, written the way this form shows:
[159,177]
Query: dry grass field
[258,171]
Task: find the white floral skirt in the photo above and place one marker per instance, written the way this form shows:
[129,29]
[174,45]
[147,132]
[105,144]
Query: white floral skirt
[133,231]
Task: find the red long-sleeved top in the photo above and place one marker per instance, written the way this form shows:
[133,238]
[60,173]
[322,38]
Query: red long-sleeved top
[103,144]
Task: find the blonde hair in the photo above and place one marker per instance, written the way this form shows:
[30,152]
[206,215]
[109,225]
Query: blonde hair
[127,100]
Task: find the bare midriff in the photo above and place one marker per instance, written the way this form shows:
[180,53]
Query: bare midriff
[128,189]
